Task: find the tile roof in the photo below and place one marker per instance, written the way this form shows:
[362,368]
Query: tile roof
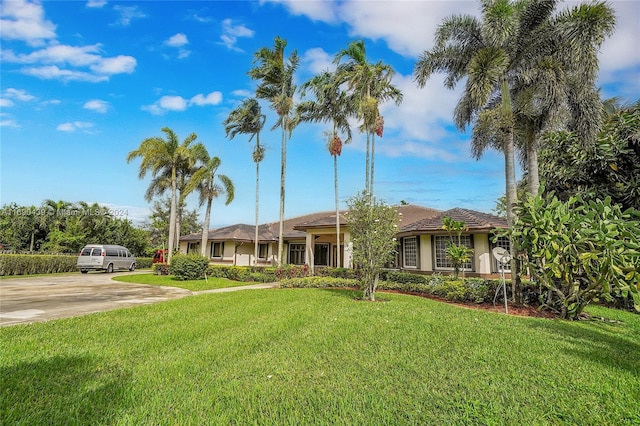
[410,213]
[474,220]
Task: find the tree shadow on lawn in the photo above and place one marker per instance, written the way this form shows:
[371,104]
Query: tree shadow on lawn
[353,294]
[63,390]
[597,341]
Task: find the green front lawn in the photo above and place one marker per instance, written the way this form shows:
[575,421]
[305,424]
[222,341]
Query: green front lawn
[170,281]
[310,356]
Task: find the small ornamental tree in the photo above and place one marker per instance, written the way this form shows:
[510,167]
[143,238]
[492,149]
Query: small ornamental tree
[580,251]
[373,226]
[458,253]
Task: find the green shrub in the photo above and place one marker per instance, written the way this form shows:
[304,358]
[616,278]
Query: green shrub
[161,268]
[319,282]
[188,267]
[27,264]
[405,277]
[144,262]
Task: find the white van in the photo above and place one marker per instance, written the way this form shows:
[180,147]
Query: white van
[105,257]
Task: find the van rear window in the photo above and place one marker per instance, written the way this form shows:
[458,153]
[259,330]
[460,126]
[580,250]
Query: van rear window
[86,252]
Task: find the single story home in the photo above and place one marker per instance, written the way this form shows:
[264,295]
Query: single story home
[311,240]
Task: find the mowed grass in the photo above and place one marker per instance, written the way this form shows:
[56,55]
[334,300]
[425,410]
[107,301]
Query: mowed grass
[169,280]
[309,356]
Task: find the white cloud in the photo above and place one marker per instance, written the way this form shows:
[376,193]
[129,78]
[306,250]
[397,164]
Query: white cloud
[178,103]
[9,123]
[74,57]
[6,103]
[23,20]
[177,40]
[73,126]
[96,3]
[127,14]
[18,94]
[213,98]
[316,60]
[231,33]
[97,105]
[314,9]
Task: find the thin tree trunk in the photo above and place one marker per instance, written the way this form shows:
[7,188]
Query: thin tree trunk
[255,249]
[178,223]
[283,167]
[367,165]
[205,228]
[510,182]
[172,215]
[335,182]
[373,152]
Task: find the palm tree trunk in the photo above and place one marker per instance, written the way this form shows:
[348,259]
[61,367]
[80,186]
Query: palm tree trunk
[205,228]
[510,182]
[255,248]
[335,183]
[533,178]
[172,215]
[367,165]
[178,223]
[283,168]
[373,152]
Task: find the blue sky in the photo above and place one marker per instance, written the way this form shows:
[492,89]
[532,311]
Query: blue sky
[84,82]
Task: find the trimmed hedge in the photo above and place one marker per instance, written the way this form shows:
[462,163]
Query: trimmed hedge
[319,282]
[188,266]
[28,264]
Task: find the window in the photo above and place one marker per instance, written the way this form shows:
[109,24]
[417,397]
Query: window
[410,251]
[193,247]
[441,243]
[321,254]
[504,243]
[217,249]
[263,251]
[296,254]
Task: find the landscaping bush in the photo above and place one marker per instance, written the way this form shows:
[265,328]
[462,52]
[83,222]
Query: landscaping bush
[161,268]
[404,277]
[319,282]
[144,262]
[188,267]
[26,264]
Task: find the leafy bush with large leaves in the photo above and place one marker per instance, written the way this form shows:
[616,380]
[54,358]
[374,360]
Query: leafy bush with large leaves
[580,251]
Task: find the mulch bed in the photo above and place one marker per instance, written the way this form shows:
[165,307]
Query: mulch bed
[522,311]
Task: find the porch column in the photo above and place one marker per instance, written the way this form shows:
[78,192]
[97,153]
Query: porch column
[348,250]
[309,247]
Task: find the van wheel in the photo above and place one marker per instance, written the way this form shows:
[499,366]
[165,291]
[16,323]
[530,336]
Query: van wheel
[133,267]
[84,271]
[110,268]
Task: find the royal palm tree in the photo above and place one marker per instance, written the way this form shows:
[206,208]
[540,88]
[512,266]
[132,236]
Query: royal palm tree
[370,84]
[275,75]
[333,105]
[248,119]
[205,181]
[164,157]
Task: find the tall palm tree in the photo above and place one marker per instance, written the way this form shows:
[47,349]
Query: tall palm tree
[276,85]
[556,89]
[334,105]
[370,85]
[489,52]
[164,157]
[205,182]
[248,119]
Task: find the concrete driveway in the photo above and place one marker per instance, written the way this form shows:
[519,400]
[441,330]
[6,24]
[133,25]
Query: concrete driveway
[26,300]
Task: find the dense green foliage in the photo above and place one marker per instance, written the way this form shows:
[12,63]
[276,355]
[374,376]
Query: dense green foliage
[64,227]
[609,168]
[579,251]
[188,266]
[373,226]
[28,264]
[309,356]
